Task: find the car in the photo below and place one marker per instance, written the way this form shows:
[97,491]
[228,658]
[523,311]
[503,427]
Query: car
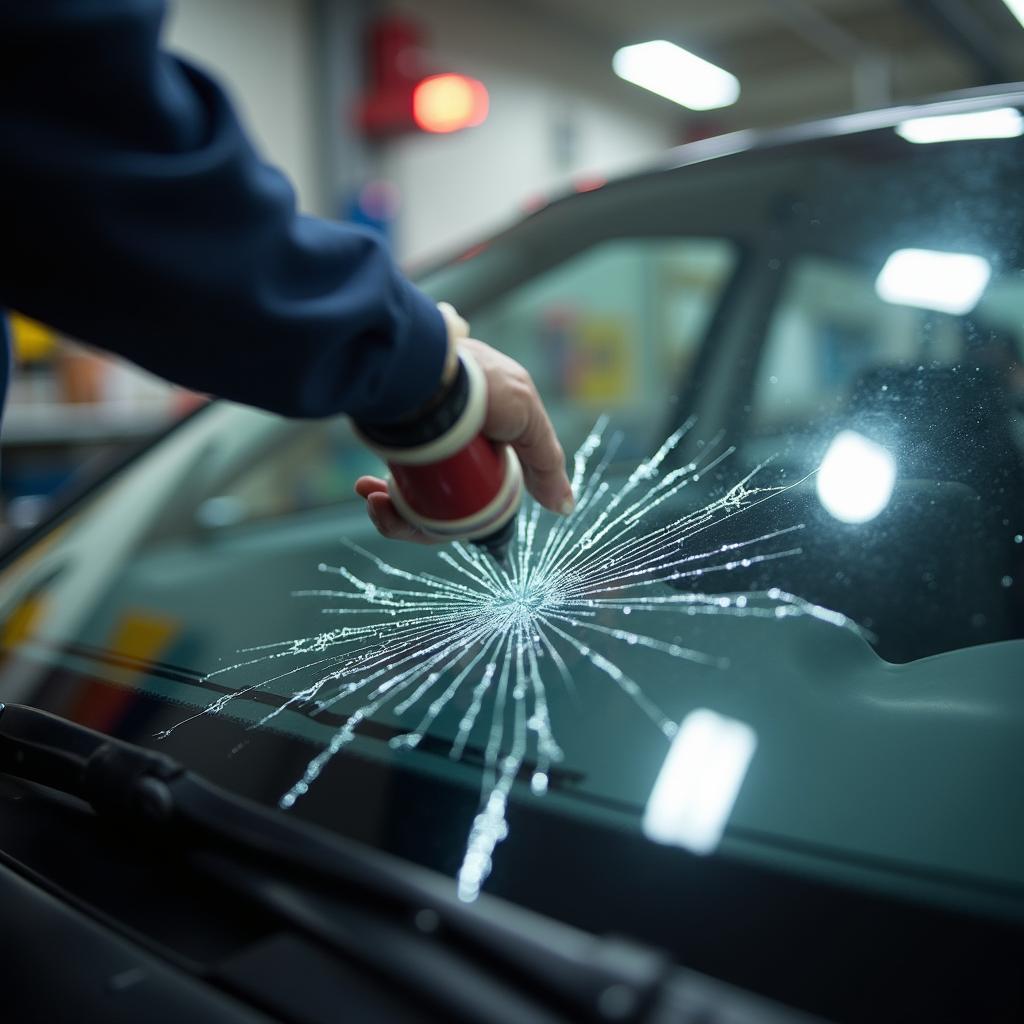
[738,740]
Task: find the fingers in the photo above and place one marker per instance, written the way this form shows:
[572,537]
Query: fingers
[390,524]
[383,514]
[543,460]
[515,414]
[367,485]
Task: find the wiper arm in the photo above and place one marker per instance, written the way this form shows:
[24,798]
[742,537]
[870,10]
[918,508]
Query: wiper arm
[309,877]
[112,776]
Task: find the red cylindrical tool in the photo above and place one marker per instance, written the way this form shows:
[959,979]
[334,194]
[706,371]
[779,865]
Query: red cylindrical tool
[447,479]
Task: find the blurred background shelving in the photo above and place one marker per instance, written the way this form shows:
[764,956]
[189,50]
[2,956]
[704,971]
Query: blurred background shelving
[70,412]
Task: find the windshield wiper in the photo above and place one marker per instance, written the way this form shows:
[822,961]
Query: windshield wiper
[489,960]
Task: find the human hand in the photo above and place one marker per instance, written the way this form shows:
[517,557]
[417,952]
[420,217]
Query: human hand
[515,416]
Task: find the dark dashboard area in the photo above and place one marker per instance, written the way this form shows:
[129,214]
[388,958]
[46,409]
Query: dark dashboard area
[140,918]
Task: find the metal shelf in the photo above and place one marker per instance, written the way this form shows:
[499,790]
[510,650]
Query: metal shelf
[87,423]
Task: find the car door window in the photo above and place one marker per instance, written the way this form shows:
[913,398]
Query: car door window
[304,467]
[613,329]
[832,331]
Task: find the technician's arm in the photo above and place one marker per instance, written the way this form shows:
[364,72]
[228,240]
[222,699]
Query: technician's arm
[135,215]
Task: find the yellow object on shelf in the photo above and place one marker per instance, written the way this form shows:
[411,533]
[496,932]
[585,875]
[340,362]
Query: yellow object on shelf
[32,340]
[604,361]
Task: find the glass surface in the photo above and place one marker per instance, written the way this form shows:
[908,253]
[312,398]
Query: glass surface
[885,438]
[613,329]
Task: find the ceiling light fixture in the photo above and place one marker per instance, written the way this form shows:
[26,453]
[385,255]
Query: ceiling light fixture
[1002,123]
[678,75]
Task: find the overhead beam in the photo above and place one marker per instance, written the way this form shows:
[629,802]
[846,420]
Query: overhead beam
[871,82]
[821,31]
[965,33]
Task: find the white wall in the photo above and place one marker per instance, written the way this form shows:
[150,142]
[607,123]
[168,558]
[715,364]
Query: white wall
[262,52]
[455,188]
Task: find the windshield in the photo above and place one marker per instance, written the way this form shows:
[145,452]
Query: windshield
[784,624]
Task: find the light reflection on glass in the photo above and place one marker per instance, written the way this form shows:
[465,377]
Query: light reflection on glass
[699,781]
[950,282]
[1016,8]
[1003,123]
[855,478]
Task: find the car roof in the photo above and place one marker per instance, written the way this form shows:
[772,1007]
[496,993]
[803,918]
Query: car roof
[961,102]
[744,141]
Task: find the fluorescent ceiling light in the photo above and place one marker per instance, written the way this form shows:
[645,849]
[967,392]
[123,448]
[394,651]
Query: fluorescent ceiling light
[856,477]
[699,780]
[950,282]
[1003,123]
[1016,9]
[678,75]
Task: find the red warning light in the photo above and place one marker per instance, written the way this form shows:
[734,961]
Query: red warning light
[447,103]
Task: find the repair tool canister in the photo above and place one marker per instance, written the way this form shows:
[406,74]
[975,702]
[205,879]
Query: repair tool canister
[447,479]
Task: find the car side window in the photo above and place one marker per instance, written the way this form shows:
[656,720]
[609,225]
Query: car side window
[309,466]
[614,329]
[831,333]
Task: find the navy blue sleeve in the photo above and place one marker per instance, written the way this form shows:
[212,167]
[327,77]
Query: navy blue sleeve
[135,215]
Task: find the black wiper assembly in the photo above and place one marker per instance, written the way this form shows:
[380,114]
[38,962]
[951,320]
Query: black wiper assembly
[389,916]
[484,961]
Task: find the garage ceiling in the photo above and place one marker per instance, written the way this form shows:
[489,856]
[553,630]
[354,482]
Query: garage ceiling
[804,58]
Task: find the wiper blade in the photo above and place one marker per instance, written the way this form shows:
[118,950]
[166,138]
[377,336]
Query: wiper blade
[313,879]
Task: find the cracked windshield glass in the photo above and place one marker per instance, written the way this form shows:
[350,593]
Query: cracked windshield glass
[783,622]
